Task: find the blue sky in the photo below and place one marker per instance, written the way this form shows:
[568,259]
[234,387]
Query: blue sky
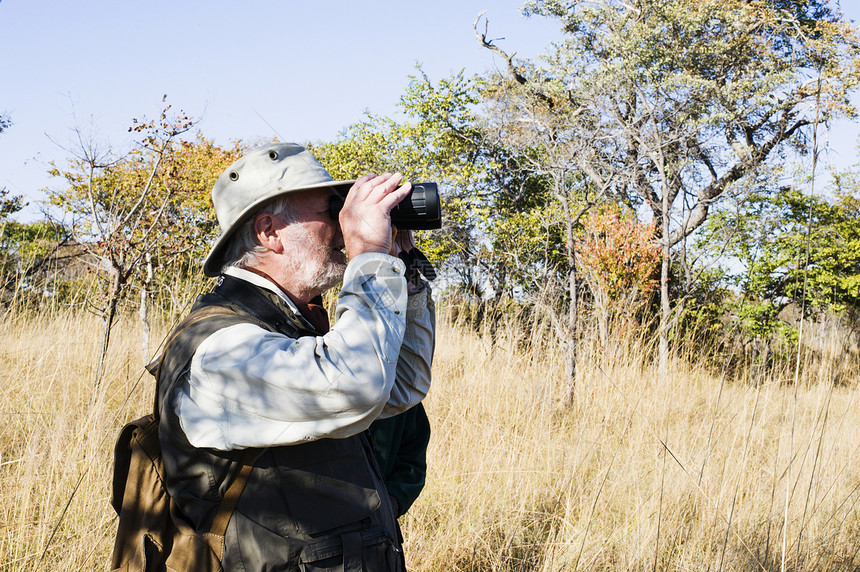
[306,68]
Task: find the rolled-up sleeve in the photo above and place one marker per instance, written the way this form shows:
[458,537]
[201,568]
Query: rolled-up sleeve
[248,387]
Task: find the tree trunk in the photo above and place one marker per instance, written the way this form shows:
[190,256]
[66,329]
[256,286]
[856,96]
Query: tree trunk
[602,313]
[571,342]
[665,315]
[665,310]
[570,345]
[144,311]
[108,317]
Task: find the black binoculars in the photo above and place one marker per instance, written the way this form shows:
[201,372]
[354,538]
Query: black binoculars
[420,210]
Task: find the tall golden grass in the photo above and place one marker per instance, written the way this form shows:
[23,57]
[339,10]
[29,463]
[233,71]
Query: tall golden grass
[686,472]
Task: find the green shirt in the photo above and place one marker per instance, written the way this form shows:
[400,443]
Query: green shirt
[400,444]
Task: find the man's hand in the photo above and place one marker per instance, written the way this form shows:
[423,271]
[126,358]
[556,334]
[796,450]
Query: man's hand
[403,246]
[365,219]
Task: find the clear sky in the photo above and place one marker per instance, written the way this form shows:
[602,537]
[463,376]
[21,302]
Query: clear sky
[307,68]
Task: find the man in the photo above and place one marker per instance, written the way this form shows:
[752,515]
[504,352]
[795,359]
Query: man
[264,374]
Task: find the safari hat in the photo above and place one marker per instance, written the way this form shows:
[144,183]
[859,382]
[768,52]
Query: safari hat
[255,178]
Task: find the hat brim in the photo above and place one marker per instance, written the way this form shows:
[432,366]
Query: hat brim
[214,261]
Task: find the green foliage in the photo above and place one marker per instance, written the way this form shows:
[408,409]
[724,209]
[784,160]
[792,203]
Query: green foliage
[37,259]
[795,250]
[710,305]
[30,241]
[501,229]
[687,97]
[438,142]
[9,205]
[669,107]
[677,107]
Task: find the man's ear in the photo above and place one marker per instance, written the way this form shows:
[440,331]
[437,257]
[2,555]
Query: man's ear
[266,227]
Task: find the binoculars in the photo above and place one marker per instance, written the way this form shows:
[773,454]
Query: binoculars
[420,210]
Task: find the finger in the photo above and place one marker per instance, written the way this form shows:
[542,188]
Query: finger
[363,190]
[362,187]
[385,186]
[394,197]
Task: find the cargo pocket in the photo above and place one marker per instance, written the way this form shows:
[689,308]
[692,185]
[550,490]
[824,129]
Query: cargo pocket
[153,554]
[370,550]
[328,487]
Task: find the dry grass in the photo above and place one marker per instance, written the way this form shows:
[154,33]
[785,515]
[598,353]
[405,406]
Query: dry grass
[640,473]
[56,438]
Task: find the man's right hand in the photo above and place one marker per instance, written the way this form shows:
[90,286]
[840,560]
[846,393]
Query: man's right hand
[365,219]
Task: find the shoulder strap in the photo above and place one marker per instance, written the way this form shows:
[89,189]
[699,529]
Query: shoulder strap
[196,316]
[182,353]
[234,491]
[232,301]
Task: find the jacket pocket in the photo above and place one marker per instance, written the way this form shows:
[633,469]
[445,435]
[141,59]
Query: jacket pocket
[328,485]
[365,551]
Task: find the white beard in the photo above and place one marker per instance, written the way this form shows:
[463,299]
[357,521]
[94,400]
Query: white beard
[312,266]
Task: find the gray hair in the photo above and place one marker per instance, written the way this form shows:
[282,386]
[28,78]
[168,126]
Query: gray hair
[243,248]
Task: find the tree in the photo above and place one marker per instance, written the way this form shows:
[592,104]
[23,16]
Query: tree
[618,259]
[144,214]
[37,262]
[795,250]
[9,205]
[672,106]
[498,237]
[433,144]
[189,224]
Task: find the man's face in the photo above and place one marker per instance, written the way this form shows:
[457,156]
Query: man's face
[314,255]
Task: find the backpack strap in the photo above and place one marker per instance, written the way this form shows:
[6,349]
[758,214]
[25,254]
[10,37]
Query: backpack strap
[183,353]
[234,491]
[154,367]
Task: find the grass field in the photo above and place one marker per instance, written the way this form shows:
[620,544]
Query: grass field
[687,472]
